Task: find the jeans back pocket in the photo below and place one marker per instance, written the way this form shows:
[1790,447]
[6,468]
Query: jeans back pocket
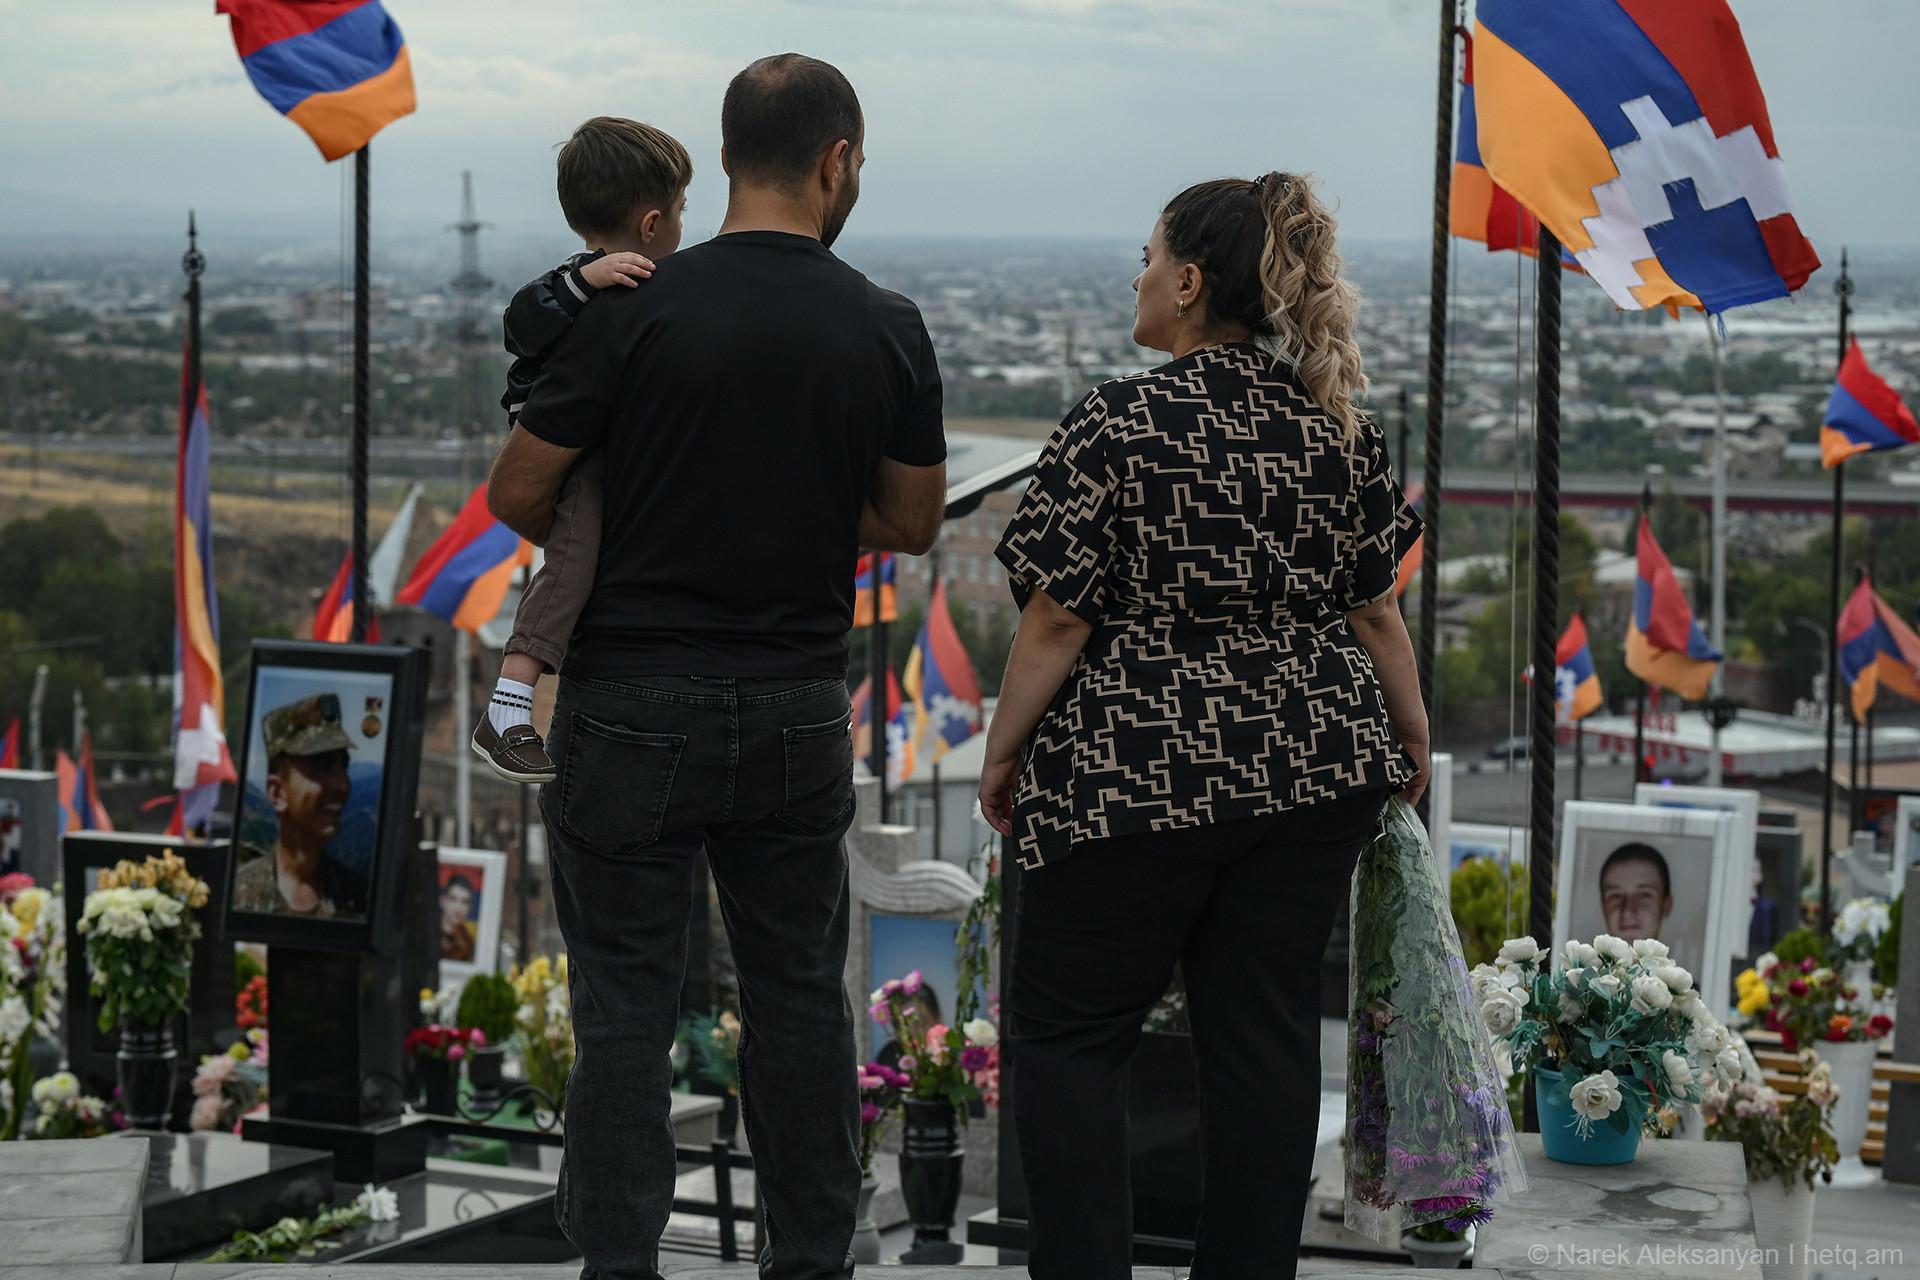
[819,784]
[614,784]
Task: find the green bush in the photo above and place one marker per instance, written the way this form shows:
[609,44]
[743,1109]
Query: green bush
[1886,953]
[245,969]
[487,1005]
[1486,911]
[1798,945]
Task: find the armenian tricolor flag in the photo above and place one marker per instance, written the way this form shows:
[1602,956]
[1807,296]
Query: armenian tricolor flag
[899,736]
[1864,414]
[337,68]
[1665,646]
[1479,208]
[863,591]
[79,791]
[333,618]
[201,760]
[940,680]
[465,574]
[1877,650]
[1637,131]
[1576,682]
[10,745]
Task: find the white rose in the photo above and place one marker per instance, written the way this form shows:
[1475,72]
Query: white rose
[1501,1011]
[1676,978]
[1519,951]
[1576,978]
[1597,1096]
[1679,1070]
[1707,1039]
[1650,949]
[1689,1004]
[1484,979]
[15,1019]
[1581,955]
[1571,1010]
[1729,1064]
[1650,994]
[1607,984]
[380,1204]
[982,1033]
[1613,949]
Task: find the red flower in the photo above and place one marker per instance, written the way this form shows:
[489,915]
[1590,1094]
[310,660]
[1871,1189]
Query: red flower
[1879,1024]
[12,885]
[1806,965]
[1797,987]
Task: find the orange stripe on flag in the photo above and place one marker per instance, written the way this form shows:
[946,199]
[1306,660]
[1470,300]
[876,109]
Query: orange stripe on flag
[489,590]
[1688,677]
[342,122]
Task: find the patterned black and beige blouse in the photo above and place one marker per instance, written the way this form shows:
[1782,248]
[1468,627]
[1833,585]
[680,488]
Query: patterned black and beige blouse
[1214,524]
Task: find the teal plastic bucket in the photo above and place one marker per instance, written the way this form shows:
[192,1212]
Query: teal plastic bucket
[1614,1140]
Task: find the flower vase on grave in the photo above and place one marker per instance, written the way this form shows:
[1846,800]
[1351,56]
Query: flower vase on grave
[486,1069]
[438,1082]
[729,1121]
[1612,1139]
[145,1069]
[1782,1225]
[866,1232]
[930,1165]
[1852,1064]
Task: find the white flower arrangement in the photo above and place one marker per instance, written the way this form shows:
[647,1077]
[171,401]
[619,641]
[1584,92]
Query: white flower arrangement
[33,980]
[1619,1021]
[1859,927]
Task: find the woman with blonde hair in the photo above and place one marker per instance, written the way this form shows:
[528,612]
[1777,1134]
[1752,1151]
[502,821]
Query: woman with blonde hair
[1209,700]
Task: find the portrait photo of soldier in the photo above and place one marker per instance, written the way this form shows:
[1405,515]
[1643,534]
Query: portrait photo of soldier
[308,787]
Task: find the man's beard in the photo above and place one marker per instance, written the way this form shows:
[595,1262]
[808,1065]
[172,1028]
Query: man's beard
[837,217]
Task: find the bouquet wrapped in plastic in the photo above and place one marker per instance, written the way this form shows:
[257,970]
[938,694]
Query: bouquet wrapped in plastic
[1429,1137]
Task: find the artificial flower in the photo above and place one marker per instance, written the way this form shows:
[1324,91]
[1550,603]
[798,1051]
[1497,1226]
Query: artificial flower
[380,1204]
[1597,1096]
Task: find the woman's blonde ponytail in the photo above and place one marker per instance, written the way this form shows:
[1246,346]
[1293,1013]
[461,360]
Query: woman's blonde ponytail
[1310,306]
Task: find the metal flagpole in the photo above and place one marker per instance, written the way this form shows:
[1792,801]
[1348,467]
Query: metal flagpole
[357,459]
[1715,773]
[528,885]
[1640,697]
[877,670]
[933,564]
[462,734]
[1437,357]
[1546,590]
[1579,762]
[1843,288]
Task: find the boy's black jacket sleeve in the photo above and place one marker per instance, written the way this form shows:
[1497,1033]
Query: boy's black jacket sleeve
[537,318]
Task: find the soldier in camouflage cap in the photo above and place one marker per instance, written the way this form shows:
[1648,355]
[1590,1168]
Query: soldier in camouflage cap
[307,784]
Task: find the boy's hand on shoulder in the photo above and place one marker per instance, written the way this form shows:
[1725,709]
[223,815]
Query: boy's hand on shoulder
[623,268]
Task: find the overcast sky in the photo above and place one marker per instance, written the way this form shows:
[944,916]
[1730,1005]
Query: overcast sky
[985,117]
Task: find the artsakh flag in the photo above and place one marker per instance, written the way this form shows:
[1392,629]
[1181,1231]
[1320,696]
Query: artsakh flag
[337,68]
[464,575]
[1877,650]
[80,807]
[1864,414]
[940,680]
[1576,681]
[1417,553]
[333,618]
[1665,646]
[201,759]
[10,745]
[1637,131]
[899,740]
[863,590]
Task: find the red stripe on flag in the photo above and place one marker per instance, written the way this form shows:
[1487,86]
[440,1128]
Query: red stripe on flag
[259,23]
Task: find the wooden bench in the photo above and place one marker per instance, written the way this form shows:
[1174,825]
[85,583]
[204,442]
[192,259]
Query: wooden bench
[1782,1070]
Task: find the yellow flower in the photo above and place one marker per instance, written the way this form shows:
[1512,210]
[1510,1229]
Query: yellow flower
[240,1051]
[26,908]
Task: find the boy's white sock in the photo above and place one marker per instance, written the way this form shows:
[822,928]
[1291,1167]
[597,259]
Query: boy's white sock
[511,704]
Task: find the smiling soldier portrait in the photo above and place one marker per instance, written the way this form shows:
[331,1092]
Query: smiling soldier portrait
[308,787]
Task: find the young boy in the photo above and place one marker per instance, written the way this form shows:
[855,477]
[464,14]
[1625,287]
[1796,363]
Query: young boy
[622,188]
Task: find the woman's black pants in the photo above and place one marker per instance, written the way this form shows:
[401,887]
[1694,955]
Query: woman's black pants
[1245,909]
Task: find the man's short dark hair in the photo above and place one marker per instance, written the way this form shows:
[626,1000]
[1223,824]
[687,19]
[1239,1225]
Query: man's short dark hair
[1637,852]
[612,169]
[782,113]
[459,882]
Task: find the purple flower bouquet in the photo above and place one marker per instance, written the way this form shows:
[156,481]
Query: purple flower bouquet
[1428,1138]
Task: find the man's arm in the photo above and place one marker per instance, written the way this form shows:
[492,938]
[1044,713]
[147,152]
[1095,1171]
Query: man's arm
[524,482]
[905,506]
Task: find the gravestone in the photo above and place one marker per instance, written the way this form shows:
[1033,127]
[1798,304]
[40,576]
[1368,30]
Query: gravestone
[1901,1161]
[30,825]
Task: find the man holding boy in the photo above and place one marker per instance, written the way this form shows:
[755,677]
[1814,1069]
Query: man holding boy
[763,412]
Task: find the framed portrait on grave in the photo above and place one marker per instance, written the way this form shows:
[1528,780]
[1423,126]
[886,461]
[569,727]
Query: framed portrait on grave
[1744,805]
[1505,846]
[1636,872]
[209,1019]
[1906,837]
[900,945]
[1879,809]
[470,888]
[329,760]
[30,825]
[1776,888]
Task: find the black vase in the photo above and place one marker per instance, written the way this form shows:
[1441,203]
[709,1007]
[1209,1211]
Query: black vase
[930,1162]
[145,1069]
[439,1086]
[729,1122]
[486,1069]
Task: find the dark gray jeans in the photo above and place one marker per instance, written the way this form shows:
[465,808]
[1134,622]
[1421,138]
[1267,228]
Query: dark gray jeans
[760,773]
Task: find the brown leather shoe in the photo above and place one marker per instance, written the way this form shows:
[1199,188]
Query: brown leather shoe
[518,755]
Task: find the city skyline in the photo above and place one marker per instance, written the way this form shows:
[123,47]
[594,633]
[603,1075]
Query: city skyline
[1021,118]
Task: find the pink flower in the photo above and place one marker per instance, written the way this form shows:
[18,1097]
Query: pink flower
[206,1112]
[937,1042]
[1806,964]
[973,1058]
[478,1038]
[911,984]
[869,1113]
[455,1052]
[908,1062]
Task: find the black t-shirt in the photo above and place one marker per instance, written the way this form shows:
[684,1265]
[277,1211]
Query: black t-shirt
[743,397]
